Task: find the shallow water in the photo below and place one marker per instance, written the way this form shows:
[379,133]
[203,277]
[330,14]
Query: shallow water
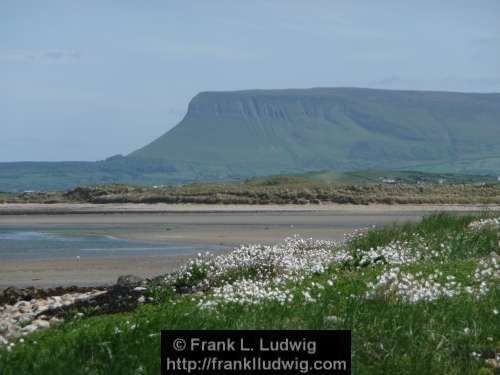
[32,244]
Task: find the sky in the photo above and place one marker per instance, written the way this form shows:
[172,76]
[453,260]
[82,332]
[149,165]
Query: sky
[85,80]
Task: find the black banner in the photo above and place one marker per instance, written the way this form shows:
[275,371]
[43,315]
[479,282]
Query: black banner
[255,352]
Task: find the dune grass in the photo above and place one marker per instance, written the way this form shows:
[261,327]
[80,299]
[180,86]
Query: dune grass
[454,334]
[361,187]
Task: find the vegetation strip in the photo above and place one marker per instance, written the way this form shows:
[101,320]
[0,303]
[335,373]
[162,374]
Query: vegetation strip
[312,188]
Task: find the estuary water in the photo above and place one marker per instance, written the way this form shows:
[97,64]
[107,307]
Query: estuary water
[95,249]
[33,244]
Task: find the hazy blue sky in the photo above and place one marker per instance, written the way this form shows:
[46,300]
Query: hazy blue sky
[83,80]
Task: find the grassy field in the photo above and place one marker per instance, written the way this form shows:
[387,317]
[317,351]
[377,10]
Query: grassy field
[362,187]
[419,298]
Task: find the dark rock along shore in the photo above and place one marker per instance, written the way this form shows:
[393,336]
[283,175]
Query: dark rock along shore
[25,310]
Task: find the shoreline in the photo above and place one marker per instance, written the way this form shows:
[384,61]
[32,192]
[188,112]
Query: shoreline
[90,272]
[227,226]
[7,209]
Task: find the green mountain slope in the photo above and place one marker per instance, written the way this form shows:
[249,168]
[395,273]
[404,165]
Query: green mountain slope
[280,131]
[234,135]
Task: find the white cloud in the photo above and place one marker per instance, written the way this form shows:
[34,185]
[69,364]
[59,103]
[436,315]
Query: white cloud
[49,56]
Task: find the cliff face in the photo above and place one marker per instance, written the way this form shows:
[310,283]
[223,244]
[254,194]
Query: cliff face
[275,131]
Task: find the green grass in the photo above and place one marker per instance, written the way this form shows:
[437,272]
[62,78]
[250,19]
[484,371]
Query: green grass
[263,132]
[437,229]
[389,336]
[359,187]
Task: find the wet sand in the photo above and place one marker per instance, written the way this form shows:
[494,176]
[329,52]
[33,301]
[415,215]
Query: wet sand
[83,272]
[184,224]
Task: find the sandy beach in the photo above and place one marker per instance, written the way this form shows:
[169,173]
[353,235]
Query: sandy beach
[83,272]
[87,208]
[182,224]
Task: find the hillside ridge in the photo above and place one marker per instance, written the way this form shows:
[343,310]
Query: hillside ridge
[294,130]
[240,134]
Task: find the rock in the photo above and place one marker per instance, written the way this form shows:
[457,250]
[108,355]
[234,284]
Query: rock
[10,295]
[25,318]
[27,314]
[67,297]
[29,329]
[41,323]
[15,333]
[22,304]
[492,362]
[89,295]
[129,281]
[55,306]
[16,315]
[42,307]
[3,341]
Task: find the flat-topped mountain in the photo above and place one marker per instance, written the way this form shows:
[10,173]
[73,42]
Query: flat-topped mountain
[242,134]
[276,131]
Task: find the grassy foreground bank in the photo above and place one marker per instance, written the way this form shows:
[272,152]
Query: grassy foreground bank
[419,298]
